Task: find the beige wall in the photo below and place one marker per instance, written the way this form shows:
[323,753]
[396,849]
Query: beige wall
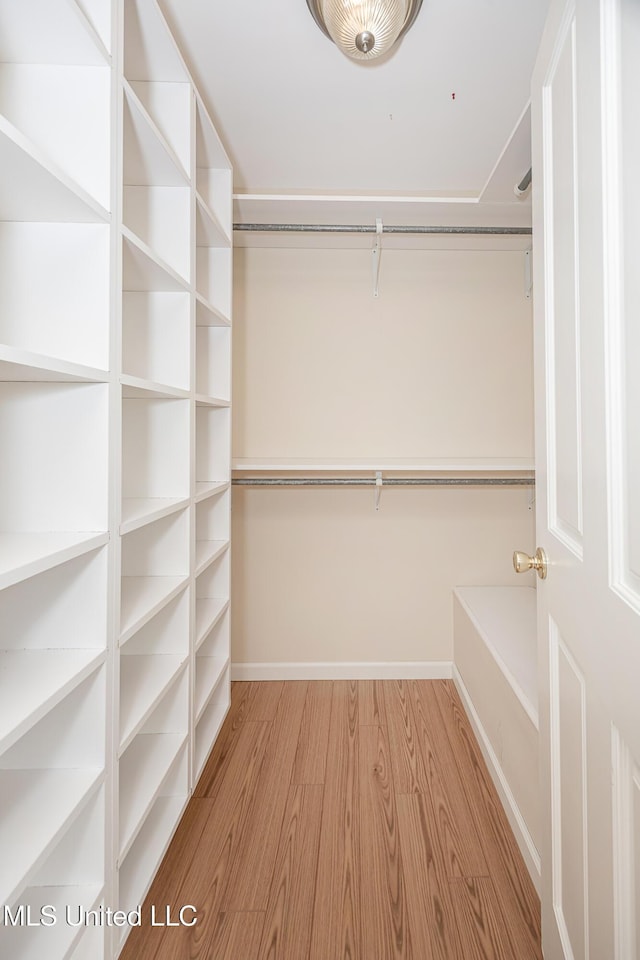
[439,365]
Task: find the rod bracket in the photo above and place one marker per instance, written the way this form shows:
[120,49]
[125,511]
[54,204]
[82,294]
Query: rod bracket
[376,253]
[378,488]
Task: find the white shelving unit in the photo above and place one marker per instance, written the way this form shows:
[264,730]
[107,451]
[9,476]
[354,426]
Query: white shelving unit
[115,390]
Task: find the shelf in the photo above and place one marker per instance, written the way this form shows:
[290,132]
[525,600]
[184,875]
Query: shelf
[210,722]
[143,681]
[202,400]
[144,271]
[34,189]
[213,443]
[142,598]
[138,511]
[59,324]
[43,100]
[24,555]
[213,277]
[32,682]
[52,31]
[135,388]
[213,362]
[38,806]
[489,465]
[208,614]
[207,315]
[63,608]
[209,230]
[206,489]
[150,52]
[160,217]
[24,365]
[145,856]
[148,158]
[156,337]
[207,551]
[168,104]
[56,940]
[209,673]
[155,447]
[143,768]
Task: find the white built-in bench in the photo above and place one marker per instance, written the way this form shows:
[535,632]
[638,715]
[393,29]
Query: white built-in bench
[495,669]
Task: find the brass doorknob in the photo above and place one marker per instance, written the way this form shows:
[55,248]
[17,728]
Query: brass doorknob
[523,562]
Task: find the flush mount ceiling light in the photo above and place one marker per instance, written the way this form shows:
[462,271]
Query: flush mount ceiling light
[364,29]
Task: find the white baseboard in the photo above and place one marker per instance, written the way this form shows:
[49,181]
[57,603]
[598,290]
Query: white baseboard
[516,820]
[402,670]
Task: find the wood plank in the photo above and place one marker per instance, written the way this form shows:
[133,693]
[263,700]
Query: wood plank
[144,941]
[371,705]
[385,928]
[204,882]
[250,879]
[409,775]
[265,698]
[432,919]
[336,916]
[457,830]
[287,926]
[237,936]
[483,932]
[311,754]
[513,885]
[242,695]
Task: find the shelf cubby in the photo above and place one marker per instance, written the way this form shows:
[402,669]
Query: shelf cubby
[212,529]
[66,314]
[149,159]
[55,31]
[46,780]
[40,100]
[33,189]
[146,852]
[213,173]
[209,316]
[213,582]
[213,278]
[149,663]
[148,760]
[169,106]
[71,880]
[213,441]
[214,640]
[54,435]
[150,51]
[156,342]
[155,566]
[209,611]
[210,720]
[91,945]
[143,271]
[213,362]
[155,448]
[160,217]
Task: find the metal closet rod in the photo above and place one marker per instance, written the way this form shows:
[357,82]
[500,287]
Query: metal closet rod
[371,228]
[387,482]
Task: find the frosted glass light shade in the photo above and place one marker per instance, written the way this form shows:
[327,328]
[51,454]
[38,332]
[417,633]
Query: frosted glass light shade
[364,29]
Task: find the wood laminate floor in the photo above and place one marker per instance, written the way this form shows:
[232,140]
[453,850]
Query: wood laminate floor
[344,820]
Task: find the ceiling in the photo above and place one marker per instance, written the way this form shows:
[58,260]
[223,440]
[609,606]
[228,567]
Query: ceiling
[437,131]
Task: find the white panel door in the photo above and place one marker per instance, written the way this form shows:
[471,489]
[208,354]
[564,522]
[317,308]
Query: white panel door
[586,175]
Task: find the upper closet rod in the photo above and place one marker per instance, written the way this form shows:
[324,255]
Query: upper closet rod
[371,228]
[387,481]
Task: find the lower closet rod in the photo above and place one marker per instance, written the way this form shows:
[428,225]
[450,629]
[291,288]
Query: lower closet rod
[387,482]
